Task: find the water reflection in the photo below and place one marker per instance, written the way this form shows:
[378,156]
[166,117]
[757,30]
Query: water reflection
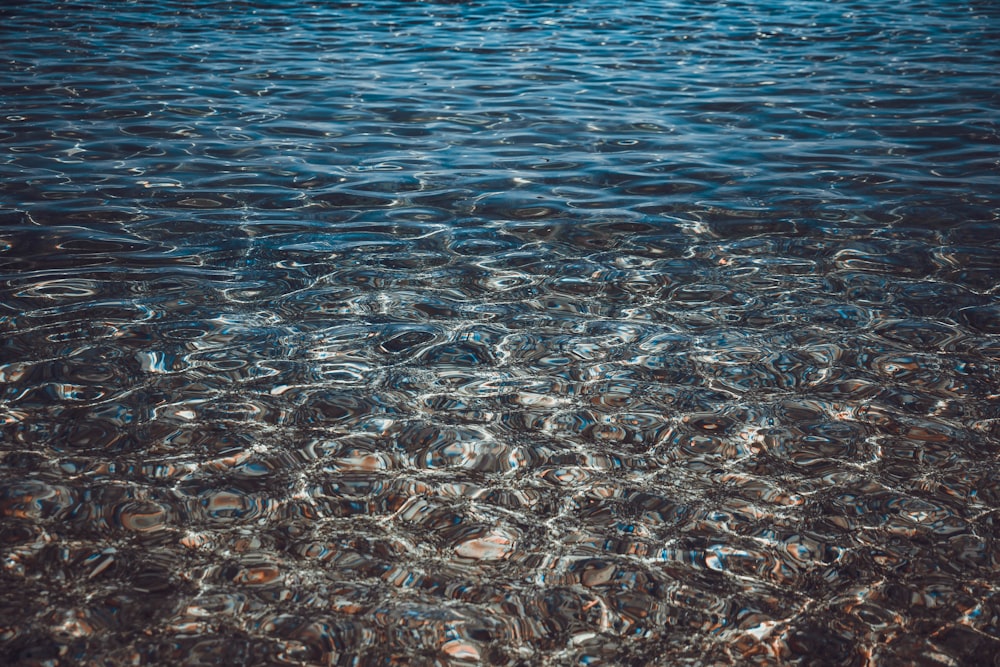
[498,333]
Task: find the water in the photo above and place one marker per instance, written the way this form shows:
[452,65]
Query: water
[499,332]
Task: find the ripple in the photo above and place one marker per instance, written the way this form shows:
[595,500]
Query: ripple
[496,333]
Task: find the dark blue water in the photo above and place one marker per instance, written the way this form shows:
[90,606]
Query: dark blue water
[510,333]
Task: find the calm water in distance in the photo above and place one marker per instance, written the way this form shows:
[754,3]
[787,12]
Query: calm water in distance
[508,333]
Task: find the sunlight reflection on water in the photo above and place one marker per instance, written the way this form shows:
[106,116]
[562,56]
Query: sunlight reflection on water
[499,333]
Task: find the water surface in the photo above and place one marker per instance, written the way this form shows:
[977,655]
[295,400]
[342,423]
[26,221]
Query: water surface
[512,333]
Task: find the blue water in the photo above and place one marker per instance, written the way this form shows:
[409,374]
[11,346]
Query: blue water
[509,333]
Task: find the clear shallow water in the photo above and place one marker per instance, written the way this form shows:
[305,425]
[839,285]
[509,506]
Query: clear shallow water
[513,333]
